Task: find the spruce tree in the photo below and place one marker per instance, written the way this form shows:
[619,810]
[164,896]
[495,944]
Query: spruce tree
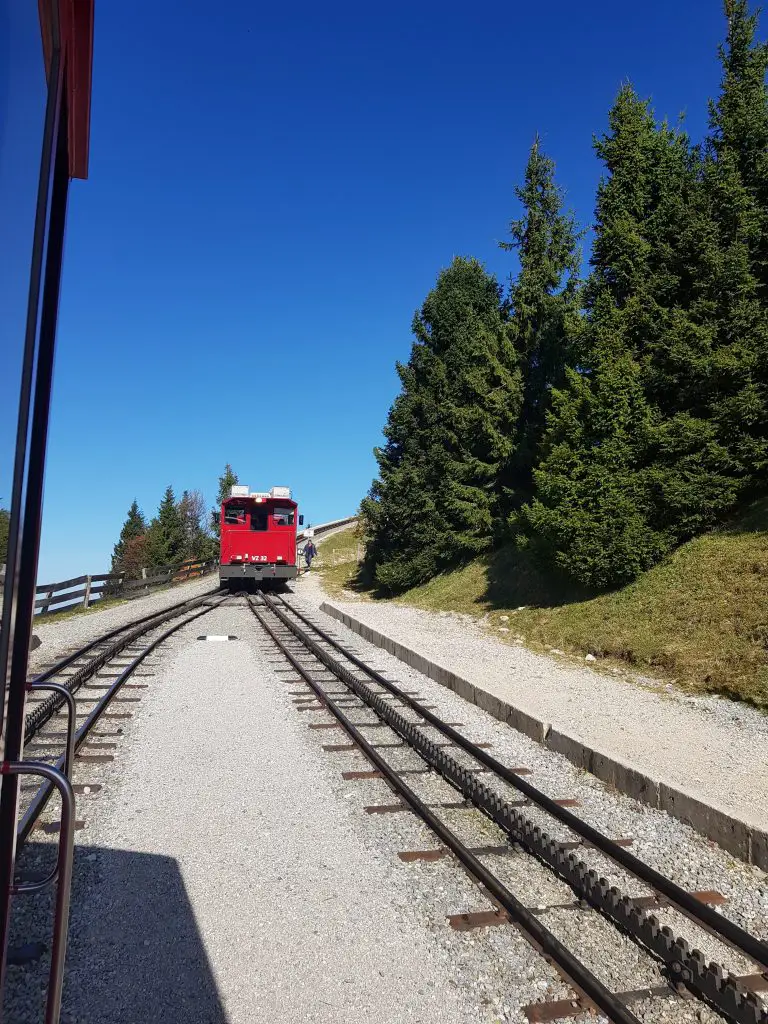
[226,481]
[590,516]
[165,536]
[739,121]
[732,278]
[633,462]
[714,368]
[438,495]
[134,526]
[543,307]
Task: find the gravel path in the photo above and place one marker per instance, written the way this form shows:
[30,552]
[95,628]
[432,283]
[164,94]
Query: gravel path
[715,749]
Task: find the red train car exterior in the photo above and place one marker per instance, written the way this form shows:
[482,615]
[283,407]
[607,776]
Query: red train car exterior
[258,536]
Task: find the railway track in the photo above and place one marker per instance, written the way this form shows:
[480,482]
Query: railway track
[70,698]
[407,743]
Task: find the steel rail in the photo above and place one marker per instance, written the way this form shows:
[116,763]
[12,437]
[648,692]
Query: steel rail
[44,793]
[579,976]
[704,915]
[131,631]
[67,661]
[710,982]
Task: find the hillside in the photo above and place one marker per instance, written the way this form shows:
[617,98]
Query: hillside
[700,618]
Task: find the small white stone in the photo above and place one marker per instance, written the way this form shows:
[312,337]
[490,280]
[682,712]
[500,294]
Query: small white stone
[590,657]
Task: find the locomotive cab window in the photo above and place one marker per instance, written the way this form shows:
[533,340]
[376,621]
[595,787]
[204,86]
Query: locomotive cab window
[283,516]
[259,519]
[234,515]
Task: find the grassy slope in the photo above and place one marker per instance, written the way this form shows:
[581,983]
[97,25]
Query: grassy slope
[701,617]
[337,559]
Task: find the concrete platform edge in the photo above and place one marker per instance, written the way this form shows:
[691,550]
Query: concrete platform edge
[737,837]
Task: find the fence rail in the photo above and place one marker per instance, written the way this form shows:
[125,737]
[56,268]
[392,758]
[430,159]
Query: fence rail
[325,528]
[84,591]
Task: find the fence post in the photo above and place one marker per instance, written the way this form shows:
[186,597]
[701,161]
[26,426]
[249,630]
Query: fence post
[143,574]
[87,594]
[48,599]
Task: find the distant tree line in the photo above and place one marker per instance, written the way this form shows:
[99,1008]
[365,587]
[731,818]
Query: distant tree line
[181,530]
[598,422]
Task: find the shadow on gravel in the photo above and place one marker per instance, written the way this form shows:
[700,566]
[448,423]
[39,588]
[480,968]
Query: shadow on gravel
[135,955]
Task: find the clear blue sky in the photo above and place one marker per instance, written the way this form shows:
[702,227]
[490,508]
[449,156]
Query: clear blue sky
[272,192]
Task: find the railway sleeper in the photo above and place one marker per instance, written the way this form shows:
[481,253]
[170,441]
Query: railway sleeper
[709,981]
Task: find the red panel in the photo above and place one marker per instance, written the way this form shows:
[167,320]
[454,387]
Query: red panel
[76,20]
[79,69]
[260,547]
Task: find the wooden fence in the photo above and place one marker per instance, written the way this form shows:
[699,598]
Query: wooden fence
[84,591]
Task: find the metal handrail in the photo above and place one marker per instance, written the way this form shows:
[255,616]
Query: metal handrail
[26,888]
[63,871]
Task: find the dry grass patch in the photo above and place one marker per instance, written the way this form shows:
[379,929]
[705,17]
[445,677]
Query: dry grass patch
[338,559]
[700,617]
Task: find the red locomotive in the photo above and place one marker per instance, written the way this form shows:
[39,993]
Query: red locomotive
[258,536]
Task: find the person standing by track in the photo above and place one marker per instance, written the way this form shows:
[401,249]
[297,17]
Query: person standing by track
[309,553]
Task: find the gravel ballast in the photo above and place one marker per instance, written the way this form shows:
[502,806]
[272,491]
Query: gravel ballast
[59,635]
[221,881]
[661,840]
[714,749]
[228,873]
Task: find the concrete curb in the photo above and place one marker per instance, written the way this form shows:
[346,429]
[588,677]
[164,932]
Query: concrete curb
[744,841]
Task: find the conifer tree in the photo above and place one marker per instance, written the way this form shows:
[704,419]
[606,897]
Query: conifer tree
[732,272]
[631,464]
[739,120]
[543,307]
[226,481]
[713,367]
[165,536]
[134,526]
[448,433]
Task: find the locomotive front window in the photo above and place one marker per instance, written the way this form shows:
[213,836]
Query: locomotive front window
[283,516]
[234,515]
[259,519]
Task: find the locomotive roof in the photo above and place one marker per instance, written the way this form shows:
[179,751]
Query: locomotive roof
[257,498]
